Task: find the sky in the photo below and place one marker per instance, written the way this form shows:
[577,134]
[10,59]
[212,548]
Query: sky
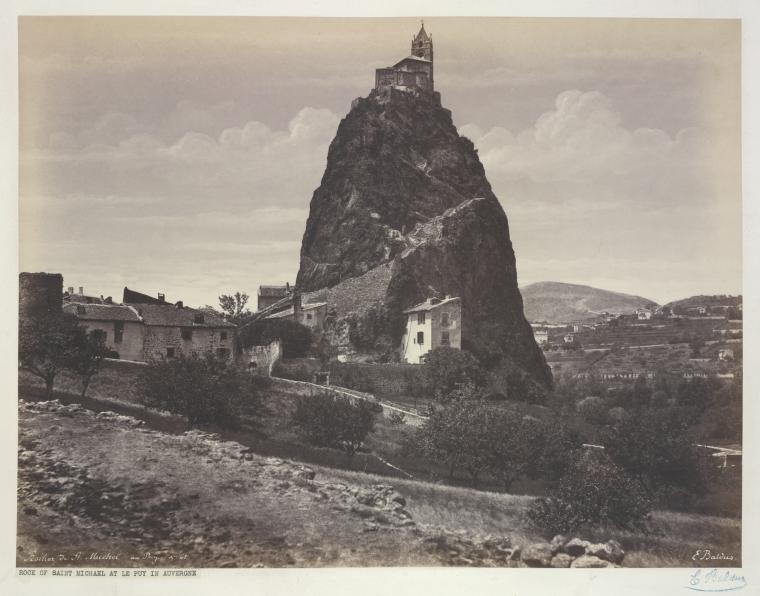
[179,155]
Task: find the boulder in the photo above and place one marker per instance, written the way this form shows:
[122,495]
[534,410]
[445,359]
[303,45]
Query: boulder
[576,547]
[558,542]
[561,561]
[537,555]
[609,551]
[590,562]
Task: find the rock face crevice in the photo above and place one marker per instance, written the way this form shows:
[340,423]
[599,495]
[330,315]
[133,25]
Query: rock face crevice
[403,188]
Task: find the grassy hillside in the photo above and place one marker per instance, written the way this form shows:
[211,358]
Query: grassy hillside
[556,302]
[106,483]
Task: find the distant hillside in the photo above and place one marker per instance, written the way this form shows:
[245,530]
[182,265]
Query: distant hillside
[556,302]
[714,302]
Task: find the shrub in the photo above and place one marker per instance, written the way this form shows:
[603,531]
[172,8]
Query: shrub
[446,369]
[594,491]
[327,420]
[653,446]
[203,389]
[475,437]
[592,409]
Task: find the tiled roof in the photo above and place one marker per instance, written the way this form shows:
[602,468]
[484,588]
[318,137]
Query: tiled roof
[428,305]
[169,315]
[413,59]
[288,312]
[102,312]
[83,299]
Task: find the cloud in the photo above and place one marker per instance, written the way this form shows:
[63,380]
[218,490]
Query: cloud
[582,138]
[239,167]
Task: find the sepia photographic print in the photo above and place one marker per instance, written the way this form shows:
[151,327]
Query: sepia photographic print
[383,291]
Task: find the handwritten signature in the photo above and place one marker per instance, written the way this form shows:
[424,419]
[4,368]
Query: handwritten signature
[716,580]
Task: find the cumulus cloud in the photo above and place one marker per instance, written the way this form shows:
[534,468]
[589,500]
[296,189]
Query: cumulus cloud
[582,138]
[241,166]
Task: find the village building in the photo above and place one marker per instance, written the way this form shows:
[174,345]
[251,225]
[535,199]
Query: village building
[269,295]
[644,314]
[725,354]
[541,336]
[569,338]
[261,359]
[432,324]
[414,71]
[312,315]
[120,327]
[174,329]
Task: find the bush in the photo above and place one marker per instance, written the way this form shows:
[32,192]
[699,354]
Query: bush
[594,491]
[295,338]
[475,437]
[327,420]
[653,446]
[447,369]
[203,389]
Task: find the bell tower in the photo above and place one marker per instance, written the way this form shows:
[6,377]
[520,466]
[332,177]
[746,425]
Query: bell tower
[422,47]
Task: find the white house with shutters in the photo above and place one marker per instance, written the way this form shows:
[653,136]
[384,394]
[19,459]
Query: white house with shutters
[431,324]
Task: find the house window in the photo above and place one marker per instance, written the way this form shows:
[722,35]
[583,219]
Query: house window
[170,352]
[445,338]
[420,337]
[222,352]
[99,335]
[420,318]
[444,319]
[187,333]
[223,335]
[308,317]
[199,318]
[118,332]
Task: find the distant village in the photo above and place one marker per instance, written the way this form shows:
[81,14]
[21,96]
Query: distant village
[690,341]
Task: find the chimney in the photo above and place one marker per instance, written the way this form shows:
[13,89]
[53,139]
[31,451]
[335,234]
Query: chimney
[81,290]
[287,286]
[179,304]
[296,307]
[161,297]
[71,290]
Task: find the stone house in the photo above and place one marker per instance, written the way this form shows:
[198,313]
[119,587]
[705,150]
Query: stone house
[644,314]
[431,324]
[259,360]
[269,295]
[416,70]
[725,354]
[312,315]
[173,329]
[569,338]
[120,326]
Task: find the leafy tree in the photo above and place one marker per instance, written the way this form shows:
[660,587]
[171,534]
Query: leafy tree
[204,389]
[452,436]
[86,358]
[472,436]
[328,420]
[594,491]
[46,346]
[654,447]
[234,306]
[295,338]
[446,369]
